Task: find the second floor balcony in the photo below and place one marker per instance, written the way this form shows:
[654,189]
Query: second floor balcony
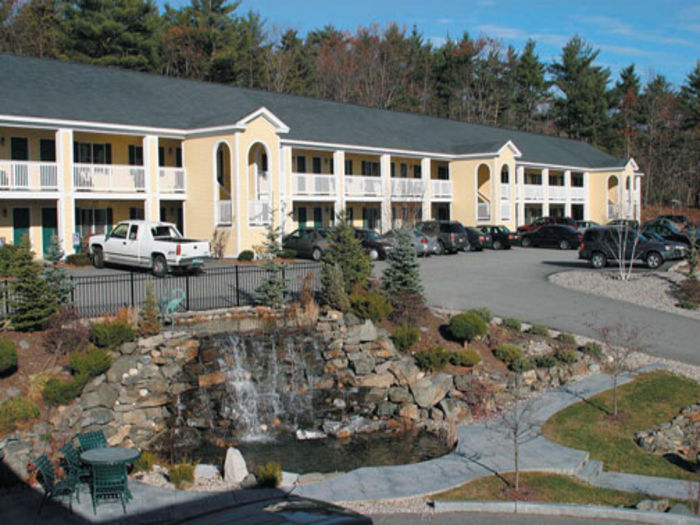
[441,189]
[109,178]
[359,186]
[313,185]
[18,175]
[407,188]
[557,193]
[171,180]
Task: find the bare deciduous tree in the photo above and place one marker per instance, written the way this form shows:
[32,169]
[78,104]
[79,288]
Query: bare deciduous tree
[623,242]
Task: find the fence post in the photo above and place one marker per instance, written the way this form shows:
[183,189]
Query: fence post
[238,293]
[187,291]
[131,279]
[72,290]
[284,280]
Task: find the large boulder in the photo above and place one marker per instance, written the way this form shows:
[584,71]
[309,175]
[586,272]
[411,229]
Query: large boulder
[430,390]
[361,333]
[399,394]
[405,370]
[235,469]
[455,410]
[384,380]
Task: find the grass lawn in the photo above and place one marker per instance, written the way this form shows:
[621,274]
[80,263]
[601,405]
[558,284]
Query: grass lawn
[541,487]
[649,400]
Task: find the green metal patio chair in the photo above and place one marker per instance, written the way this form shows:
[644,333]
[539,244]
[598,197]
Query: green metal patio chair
[90,440]
[77,471]
[109,482]
[52,487]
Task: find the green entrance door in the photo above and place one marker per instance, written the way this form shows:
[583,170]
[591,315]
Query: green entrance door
[20,225]
[318,217]
[49,227]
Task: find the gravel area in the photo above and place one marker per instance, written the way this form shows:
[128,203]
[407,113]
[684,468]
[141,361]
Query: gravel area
[651,289]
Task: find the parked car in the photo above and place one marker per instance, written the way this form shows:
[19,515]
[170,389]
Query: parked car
[541,221]
[669,232]
[680,220]
[420,241]
[627,223]
[584,225]
[451,235]
[377,246]
[552,236]
[155,245]
[501,237]
[307,242]
[476,239]
[604,244]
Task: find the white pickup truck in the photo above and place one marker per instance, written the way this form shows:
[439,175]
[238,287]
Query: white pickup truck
[155,245]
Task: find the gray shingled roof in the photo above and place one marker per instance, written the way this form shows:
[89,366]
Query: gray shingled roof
[61,90]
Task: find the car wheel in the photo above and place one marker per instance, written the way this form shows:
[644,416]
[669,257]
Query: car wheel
[497,245]
[160,266]
[654,260]
[441,248]
[316,254]
[373,254]
[564,244]
[598,260]
[526,242]
[98,257]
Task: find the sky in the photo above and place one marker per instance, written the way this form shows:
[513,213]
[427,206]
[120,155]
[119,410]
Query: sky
[658,36]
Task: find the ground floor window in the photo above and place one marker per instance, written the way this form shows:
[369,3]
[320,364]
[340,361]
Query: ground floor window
[91,221]
[136,213]
[577,212]
[532,212]
[556,210]
[371,218]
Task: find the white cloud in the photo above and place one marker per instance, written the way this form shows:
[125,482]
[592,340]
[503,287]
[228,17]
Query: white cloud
[513,33]
[607,24]
[626,50]
[445,20]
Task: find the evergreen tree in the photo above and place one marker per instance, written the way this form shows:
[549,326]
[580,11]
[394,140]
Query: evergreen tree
[346,251]
[333,287]
[31,301]
[149,324]
[402,275]
[531,88]
[626,102]
[272,290]
[690,99]
[55,276]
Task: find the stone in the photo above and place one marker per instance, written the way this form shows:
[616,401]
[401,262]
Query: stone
[120,367]
[363,366]
[650,505]
[325,382]
[409,411]
[436,414]
[24,344]
[352,320]
[335,364]
[375,395]
[128,348]
[249,482]
[405,370]
[361,333]
[681,509]
[119,436]
[96,416]
[154,400]
[149,343]
[104,395]
[398,394]
[215,378]
[204,472]
[384,380]
[385,409]
[464,382]
[235,469]
[429,390]
[455,411]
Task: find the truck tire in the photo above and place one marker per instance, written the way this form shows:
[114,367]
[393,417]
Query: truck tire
[598,260]
[98,257]
[317,254]
[159,266]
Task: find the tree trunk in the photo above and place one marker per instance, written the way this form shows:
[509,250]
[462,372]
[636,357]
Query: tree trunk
[615,395]
[516,447]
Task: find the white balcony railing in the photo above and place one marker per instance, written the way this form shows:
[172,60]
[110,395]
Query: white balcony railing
[313,185]
[533,192]
[441,189]
[407,188]
[505,191]
[224,212]
[578,193]
[505,210]
[108,178]
[557,193]
[612,210]
[28,176]
[171,180]
[363,186]
[483,211]
[259,212]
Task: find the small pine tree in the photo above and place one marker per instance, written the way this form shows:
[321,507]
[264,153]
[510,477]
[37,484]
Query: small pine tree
[32,302]
[55,276]
[149,324]
[402,274]
[333,287]
[346,251]
[273,288]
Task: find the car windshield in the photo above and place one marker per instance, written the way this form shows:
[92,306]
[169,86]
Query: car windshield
[500,229]
[372,235]
[165,231]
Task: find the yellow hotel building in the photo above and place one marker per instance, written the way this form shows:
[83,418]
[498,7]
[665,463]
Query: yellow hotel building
[83,147]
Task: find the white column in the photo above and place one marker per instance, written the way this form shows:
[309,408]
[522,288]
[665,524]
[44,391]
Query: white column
[567,189]
[286,205]
[425,168]
[587,199]
[545,185]
[520,195]
[339,174]
[385,173]
[65,208]
[150,164]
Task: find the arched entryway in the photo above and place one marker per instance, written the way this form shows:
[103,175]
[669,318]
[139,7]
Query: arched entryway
[613,210]
[483,192]
[259,185]
[223,193]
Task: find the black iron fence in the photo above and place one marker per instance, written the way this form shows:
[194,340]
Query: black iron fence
[215,287]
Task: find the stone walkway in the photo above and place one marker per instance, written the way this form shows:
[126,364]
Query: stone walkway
[483,450]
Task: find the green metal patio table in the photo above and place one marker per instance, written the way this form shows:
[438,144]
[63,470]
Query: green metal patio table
[111,456]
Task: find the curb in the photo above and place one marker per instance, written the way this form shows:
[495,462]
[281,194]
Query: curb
[562,509]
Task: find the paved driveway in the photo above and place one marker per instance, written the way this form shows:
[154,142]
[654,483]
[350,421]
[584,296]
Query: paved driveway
[514,283]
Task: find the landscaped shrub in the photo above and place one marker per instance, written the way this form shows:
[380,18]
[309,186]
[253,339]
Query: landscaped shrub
[482,312]
[145,462]
[689,293]
[507,353]
[91,363]
[112,333]
[566,356]
[567,339]
[333,287]
[8,357]
[465,357]
[405,337]
[54,274]
[346,250]
[15,410]
[181,473]
[78,259]
[409,308]
[521,364]
[370,305]
[66,332]
[512,323]
[246,255]
[32,302]
[435,358]
[8,254]
[592,349]
[467,326]
[269,475]
[539,329]
[402,273]
[546,361]
[149,324]
[59,392]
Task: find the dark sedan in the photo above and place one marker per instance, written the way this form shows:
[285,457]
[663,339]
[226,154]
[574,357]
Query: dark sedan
[669,232]
[377,247]
[603,245]
[451,235]
[552,236]
[501,237]
[476,240]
